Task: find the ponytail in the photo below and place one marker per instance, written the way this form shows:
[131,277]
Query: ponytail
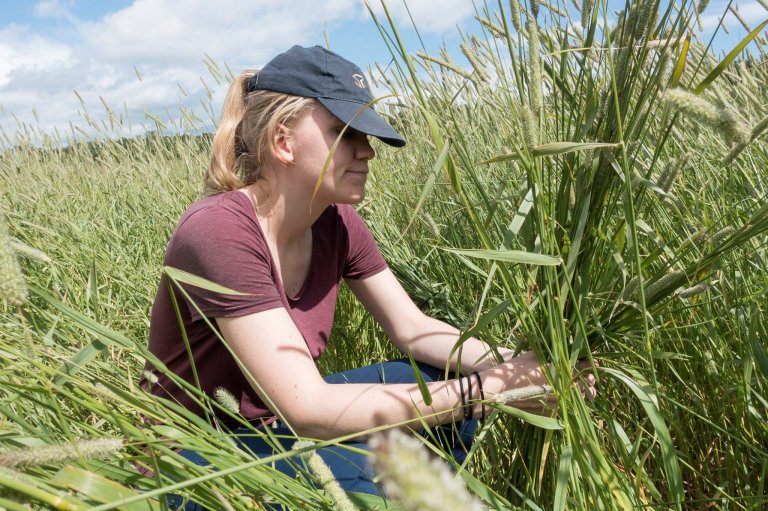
[245,137]
[221,175]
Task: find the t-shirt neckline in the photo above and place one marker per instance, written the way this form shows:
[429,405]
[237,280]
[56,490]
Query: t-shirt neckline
[247,203]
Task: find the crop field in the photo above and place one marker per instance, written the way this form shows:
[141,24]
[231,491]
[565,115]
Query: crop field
[585,184]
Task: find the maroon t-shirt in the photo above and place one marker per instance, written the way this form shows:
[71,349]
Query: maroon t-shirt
[220,239]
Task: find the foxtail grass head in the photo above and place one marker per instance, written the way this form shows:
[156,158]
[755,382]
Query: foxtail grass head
[226,400]
[479,74]
[56,454]
[324,476]
[418,481]
[721,119]
[13,287]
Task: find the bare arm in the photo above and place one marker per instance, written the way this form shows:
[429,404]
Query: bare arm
[428,340]
[271,349]
[274,355]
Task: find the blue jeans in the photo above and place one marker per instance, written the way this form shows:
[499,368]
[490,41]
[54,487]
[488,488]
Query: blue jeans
[351,468]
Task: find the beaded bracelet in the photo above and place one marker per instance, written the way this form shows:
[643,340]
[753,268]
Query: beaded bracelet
[482,395]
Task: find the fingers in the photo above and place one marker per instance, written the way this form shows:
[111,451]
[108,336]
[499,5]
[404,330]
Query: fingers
[586,380]
[526,370]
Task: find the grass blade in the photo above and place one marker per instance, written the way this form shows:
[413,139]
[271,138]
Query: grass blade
[508,256]
[735,52]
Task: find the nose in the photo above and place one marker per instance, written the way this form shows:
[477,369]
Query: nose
[363,149]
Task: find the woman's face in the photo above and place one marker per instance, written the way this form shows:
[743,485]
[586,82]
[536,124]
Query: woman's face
[311,139]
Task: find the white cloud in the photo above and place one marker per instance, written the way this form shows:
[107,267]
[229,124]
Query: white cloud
[165,40]
[751,12]
[53,8]
[240,30]
[23,55]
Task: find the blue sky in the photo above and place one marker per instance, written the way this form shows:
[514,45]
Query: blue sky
[146,56]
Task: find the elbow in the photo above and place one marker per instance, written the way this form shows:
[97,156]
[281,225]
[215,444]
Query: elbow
[407,331]
[309,417]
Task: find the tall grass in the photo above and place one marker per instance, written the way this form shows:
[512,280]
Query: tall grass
[555,135]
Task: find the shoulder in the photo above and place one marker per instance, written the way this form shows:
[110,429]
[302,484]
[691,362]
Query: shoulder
[214,223]
[224,207]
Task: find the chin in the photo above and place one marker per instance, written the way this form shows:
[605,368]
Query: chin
[351,199]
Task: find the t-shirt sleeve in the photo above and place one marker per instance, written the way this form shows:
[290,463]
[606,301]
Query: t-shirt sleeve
[364,258]
[227,249]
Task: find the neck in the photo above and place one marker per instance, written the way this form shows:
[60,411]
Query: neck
[285,215]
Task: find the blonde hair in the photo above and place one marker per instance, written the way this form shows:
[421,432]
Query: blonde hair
[246,132]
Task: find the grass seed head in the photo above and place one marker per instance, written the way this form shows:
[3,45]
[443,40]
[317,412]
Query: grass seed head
[480,74]
[571,196]
[226,400]
[529,392]
[534,64]
[324,476]
[444,64]
[13,287]
[671,171]
[740,18]
[586,13]
[495,30]
[55,454]
[24,250]
[735,151]
[673,278]
[721,120]
[692,291]
[720,235]
[417,480]
[530,131]
[629,289]
[151,377]
[759,128]
[514,7]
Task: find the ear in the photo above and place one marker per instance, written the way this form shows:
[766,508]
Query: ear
[282,144]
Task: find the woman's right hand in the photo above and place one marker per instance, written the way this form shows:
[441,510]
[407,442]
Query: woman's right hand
[523,371]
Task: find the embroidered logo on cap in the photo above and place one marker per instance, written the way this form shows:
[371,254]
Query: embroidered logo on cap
[359,80]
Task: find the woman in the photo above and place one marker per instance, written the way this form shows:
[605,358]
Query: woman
[266,230]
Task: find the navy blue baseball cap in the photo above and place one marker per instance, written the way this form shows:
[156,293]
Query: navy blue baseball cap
[337,83]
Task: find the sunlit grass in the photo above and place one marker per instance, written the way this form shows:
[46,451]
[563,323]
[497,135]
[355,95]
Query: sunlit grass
[666,205]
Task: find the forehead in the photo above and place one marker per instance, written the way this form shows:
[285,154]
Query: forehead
[321,117]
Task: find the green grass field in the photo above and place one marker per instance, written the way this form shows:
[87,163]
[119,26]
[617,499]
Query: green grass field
[578,192]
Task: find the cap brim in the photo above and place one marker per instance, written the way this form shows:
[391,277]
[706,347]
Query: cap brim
[366,121]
